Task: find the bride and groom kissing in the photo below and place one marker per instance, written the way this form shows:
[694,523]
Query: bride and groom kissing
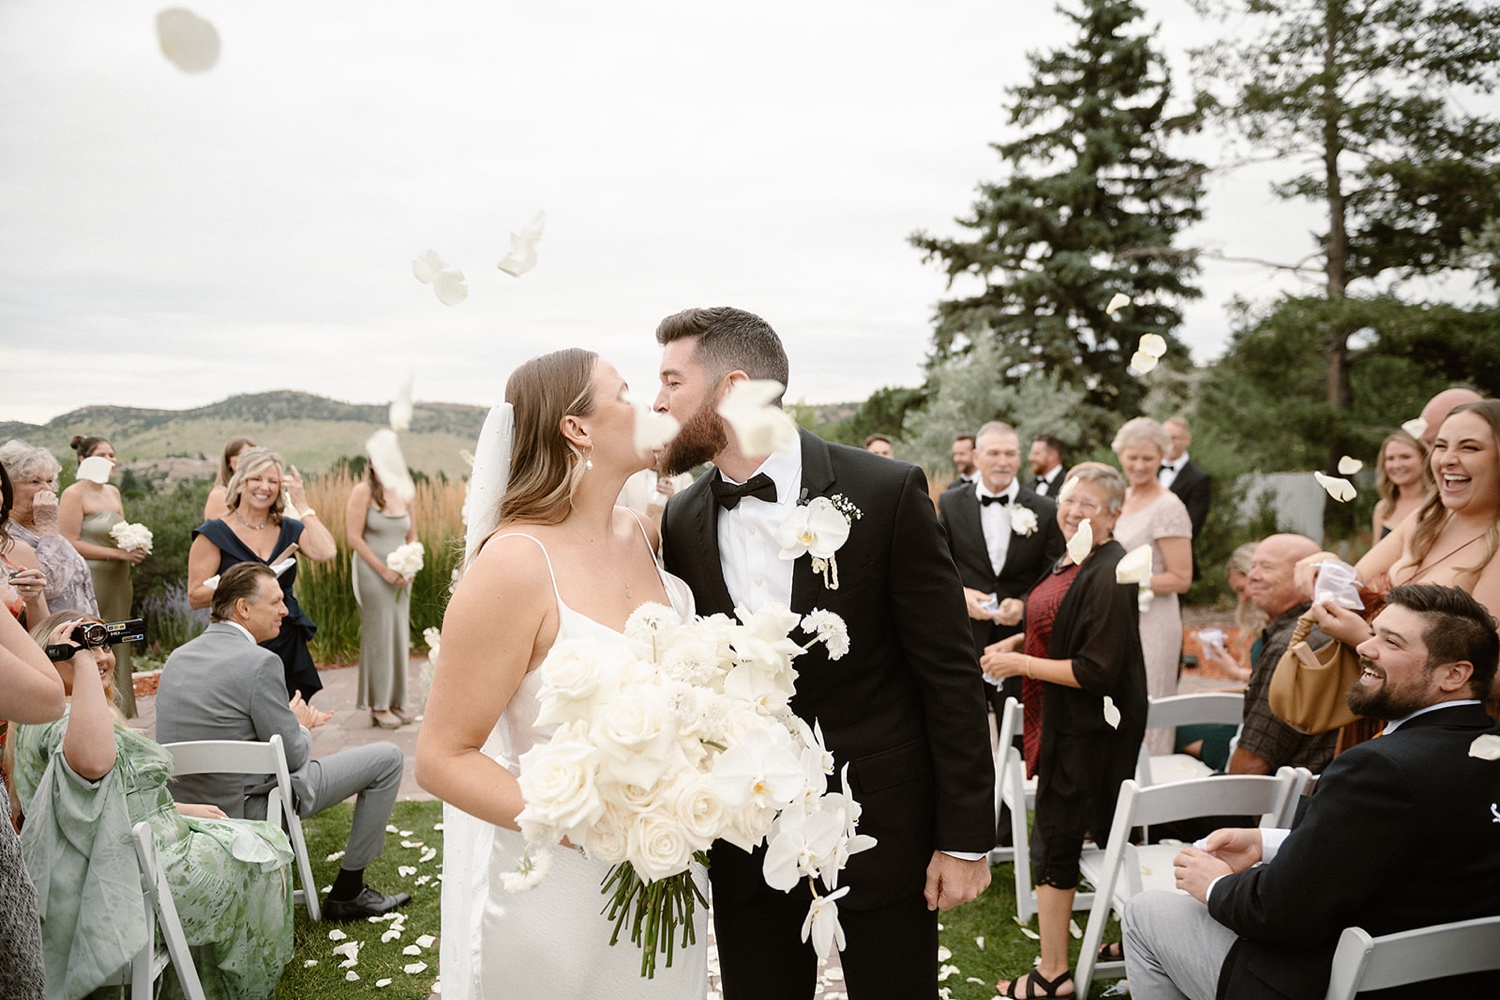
[552,559]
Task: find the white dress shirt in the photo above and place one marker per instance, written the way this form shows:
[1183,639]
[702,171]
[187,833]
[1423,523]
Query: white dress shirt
[1047,481]
[1168,471]
[754,571]
[994,518]
[244,630]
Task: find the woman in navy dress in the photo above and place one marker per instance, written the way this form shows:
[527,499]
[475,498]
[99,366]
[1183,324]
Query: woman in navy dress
[258,527]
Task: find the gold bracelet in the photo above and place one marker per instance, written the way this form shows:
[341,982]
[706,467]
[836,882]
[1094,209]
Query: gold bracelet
[1028,669]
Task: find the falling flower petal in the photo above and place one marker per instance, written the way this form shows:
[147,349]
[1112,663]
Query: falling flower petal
[95,469]
[1111,713]
[1349,466]
[1082,542]
[428,266]
[1486,747]
[762,427]
[1416,427]
[390,464]
[450,287]
[652,429]
[187,40]
[1340,489]
[1153,344]
[1119,301]
[1135,567]
[522,256]
[1067,488]
[1141,362]
[401,407]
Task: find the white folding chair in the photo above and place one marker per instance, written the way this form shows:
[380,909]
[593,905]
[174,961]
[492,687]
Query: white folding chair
[1219,707]
[252,757]
[1364,963]
[1124,869]
[151,961]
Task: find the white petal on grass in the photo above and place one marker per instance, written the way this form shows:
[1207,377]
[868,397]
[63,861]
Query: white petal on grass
[187,40]
[335,856]
[979,942]
[401,407]
[1416,427]
[1486,747]
[1117,302]
[411,949]
[427,855]
[761,427]
[1030,933]
[414,968]
[405,870]
[1141,362]
[1111,713]
[404,833]
[390,936]
[1340,489]
[1082,542]
[352,976]
[426,941]
[944,971]
[944,954]
[383,983]
[336,935]
[390,465]
[1349,466]
[311,963]
[1153,344]
[522,256]
[1075,930]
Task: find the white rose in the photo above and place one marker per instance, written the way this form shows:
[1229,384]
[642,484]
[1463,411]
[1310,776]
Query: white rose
[608,839]
[637,730]
[1022,520]
[558,783]
[574,675]
[658,847]
[699,812]
[819,528]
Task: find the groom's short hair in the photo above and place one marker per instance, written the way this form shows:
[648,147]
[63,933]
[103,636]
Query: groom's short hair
[729,339]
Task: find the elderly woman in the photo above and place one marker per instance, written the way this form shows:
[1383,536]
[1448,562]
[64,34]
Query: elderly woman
[256,530]
[83,782]
[33,520]
[1154,516]
[215,507]
[1081,646]
[1403,482]
[378,523]
[87,511]
[23,586]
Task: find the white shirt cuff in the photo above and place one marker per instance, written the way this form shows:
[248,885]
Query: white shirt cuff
[1271,839]
[965,855]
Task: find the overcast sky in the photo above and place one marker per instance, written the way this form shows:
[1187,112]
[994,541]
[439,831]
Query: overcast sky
[170,239]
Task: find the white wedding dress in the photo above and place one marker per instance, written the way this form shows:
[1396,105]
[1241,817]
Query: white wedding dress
[550,941]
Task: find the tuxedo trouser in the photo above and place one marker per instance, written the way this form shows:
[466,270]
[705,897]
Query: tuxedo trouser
[890,954]
[373,773]
[1173,949]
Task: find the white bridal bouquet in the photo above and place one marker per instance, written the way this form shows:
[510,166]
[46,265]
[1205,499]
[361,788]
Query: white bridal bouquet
[407,559]
[681,737]
[132,537]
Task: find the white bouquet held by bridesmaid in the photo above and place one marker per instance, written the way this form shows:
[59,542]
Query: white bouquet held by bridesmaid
[407,559]
[681,737]
[132,537]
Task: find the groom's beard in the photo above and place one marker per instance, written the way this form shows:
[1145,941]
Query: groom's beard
[703,436]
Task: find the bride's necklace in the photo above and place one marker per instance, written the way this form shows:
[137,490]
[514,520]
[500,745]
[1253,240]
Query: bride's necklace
[629,591]
[252,527]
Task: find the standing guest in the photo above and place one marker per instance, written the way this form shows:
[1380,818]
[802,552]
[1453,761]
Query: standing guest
[1154,516]
[83,782]
[1082,645]
[215,506]
[1193,486]
[86,512]
[1438,408]
[379,523]
[1403,481]
[1209,741]
[963,461]
[879,444]
[33,520]
[255,530]
[1046,461]
[23,587]
[1399,834]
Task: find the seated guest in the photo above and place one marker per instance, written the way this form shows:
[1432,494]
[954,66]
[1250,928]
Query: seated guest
[222,686]
[33,520]
[1208,741]
[83,782]
[1267,743]
[1399,834]
[879,444]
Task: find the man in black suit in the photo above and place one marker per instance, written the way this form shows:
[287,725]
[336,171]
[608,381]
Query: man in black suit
[1047,470]
[963,461]
[1192,485]
[1401,832]
[904,709]
[999,552]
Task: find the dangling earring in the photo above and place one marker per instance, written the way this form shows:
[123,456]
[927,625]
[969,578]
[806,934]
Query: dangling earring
[588,462]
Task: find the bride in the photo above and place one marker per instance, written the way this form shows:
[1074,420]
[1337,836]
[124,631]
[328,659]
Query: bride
[555,559]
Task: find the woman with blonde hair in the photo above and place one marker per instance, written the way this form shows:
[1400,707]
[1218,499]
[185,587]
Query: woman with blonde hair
[378,523]
[554,560]
[1403,482]
[255,529]
[215,507]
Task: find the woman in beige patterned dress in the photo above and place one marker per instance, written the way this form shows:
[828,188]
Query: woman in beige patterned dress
[1154,516]
[378,523]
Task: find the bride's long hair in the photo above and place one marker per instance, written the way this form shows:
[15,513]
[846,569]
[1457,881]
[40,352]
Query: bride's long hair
[545,469]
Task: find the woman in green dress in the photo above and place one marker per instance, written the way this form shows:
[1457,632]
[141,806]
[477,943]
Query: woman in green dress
[85,513]
[83,782]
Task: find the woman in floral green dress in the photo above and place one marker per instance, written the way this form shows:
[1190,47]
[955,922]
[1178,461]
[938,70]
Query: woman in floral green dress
[83,782]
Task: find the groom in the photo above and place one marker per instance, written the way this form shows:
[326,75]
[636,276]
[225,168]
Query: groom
[904,709]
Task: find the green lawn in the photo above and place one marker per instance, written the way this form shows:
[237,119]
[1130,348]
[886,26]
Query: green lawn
[1006,951]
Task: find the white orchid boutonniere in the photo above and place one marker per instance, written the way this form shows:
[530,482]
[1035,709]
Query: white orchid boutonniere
[820,528]
[1022,520]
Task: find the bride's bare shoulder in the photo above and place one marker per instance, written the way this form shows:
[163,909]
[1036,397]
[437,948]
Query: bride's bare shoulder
[509,564]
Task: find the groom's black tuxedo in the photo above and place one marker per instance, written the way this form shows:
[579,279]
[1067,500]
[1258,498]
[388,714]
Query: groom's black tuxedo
[904,709]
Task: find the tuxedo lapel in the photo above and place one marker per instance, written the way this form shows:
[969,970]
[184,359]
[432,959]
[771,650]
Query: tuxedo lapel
[707,580]
[817,481]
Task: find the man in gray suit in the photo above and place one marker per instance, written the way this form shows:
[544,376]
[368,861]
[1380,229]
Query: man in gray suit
[223,686]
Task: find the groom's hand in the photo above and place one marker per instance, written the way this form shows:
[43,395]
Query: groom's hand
[952,881]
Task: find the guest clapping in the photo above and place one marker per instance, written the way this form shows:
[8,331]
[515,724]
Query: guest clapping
[379,522]
[215,506]
[33,520]
[256,530]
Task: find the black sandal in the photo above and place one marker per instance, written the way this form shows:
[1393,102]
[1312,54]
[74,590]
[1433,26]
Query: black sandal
[1112,951]
[1034,980]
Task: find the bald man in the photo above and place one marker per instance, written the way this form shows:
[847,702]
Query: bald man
[1439,406]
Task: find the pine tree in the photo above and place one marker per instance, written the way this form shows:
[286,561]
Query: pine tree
[1091,206]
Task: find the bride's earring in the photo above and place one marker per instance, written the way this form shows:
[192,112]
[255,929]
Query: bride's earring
[588,462]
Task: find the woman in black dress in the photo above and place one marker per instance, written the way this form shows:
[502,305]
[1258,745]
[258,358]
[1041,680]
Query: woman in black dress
[256,529]
[1081,661]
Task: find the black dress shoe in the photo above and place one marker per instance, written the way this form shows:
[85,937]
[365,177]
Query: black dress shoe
[370,902]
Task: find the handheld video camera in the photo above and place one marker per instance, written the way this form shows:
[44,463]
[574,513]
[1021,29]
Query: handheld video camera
[93,635]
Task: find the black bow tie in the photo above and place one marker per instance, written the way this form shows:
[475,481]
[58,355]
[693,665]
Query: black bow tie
[1165,468]
[759,486]
[985,500]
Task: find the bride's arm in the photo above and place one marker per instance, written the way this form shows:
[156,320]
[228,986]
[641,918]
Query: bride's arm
[501,617]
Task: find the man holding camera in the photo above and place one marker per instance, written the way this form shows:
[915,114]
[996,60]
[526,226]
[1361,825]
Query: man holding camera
[223,686]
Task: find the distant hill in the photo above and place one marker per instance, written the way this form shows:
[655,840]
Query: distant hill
[309,431]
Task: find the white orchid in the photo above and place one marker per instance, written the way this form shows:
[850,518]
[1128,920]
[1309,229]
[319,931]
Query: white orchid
[822,923]
[1022,520]
[757,770]
[762,427]
[1082,542]
[818,528]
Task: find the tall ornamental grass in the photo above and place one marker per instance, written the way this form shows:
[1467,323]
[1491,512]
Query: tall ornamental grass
[326,590]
